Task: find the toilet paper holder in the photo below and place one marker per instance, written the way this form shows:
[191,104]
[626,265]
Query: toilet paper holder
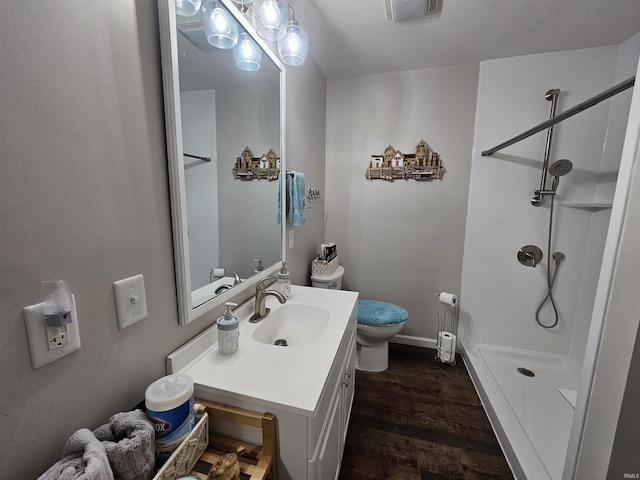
[447,329]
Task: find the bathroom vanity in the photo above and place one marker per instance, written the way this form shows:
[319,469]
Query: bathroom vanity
[308,385]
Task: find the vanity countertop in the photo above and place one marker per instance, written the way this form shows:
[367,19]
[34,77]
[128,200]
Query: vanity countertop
[289,378]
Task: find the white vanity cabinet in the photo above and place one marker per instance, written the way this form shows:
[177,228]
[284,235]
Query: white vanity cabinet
[308,388]
[328,429]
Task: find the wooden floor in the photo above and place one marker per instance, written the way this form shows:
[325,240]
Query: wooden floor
[420,420]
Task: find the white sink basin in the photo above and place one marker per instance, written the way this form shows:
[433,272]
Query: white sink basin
[296,324]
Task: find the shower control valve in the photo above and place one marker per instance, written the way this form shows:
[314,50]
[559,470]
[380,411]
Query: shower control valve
[530,255]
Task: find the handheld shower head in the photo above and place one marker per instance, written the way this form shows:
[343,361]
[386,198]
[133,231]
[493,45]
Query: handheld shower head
[560,167]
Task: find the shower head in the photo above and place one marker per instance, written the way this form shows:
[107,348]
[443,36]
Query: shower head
[560,168]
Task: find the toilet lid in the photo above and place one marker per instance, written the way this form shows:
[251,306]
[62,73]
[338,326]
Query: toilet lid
[373,312]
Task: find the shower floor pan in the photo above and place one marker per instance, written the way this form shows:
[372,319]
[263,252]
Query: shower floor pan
[527,396]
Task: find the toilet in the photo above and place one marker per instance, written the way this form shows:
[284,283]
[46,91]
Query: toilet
[378,322]
[332,281]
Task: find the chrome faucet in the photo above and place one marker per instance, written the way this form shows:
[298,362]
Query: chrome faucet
[260,309]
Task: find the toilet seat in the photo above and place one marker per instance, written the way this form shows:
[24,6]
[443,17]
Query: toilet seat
[376,313]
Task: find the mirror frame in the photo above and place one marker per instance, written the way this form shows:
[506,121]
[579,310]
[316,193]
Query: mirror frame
[173,126]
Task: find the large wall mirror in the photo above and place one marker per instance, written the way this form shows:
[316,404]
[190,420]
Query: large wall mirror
[225,230]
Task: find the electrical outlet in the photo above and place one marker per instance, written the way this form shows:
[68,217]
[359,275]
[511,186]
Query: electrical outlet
[131,301]
[48,344]
[57,336]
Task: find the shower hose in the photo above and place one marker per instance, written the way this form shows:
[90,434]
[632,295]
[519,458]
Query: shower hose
[551,280]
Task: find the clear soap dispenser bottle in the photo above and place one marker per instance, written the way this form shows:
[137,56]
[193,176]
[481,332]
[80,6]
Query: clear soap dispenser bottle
[283,284]
[228,331]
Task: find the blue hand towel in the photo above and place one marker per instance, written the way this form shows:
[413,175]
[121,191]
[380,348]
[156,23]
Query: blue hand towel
[279,209]
[297,208]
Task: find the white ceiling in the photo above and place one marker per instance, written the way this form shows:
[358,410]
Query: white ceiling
[354,37]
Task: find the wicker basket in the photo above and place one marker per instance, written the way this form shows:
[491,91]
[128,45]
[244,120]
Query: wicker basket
[320,267]
[187,454]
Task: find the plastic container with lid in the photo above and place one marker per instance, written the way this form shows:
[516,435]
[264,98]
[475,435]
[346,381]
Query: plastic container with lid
[169,405]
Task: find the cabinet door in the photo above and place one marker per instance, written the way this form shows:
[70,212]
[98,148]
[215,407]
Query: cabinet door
[349,385]
[326,465]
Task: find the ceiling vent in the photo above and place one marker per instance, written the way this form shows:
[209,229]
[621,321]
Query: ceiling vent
[194,31]
[404,10]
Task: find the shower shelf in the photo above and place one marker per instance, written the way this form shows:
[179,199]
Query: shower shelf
[588,205]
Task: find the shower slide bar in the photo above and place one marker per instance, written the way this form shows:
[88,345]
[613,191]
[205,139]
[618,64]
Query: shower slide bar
[204,159]
[564,115]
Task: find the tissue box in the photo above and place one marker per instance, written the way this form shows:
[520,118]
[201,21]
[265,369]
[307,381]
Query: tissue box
[320,267]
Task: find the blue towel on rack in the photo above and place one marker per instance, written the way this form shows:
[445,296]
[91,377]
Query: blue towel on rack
[297,208]
[278,209]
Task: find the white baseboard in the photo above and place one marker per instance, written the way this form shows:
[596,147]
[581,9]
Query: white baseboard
[414,341]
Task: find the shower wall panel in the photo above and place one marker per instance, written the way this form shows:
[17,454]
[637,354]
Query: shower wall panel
[499,296]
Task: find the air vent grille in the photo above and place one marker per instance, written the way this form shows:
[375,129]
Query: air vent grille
[403,10]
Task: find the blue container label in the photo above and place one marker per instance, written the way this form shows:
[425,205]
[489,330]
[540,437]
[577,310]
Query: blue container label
[174,424]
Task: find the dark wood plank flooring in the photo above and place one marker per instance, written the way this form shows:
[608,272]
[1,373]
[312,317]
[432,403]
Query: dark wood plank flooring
[420,420]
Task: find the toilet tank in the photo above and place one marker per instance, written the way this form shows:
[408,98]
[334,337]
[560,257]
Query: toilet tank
[332,281]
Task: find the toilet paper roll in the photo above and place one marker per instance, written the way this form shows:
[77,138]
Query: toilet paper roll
[218,272]
[448,299]
[446,346]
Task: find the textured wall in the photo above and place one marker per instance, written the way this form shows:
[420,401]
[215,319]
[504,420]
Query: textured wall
[400,241]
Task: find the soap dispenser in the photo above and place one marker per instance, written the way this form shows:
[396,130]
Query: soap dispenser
[228,331]
[283,285]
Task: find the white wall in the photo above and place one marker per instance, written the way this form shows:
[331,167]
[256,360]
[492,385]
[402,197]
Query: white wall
[499,295]
[400,241]
[198,112]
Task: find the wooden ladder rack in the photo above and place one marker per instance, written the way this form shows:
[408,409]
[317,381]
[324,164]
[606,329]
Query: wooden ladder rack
[257,462]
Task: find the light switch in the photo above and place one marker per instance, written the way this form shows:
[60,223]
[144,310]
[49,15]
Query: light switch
[131,301]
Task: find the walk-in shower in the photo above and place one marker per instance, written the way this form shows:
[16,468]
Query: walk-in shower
[531,379]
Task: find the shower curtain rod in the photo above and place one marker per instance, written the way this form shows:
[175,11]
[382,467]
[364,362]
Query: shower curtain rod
[564,115]
[204,159]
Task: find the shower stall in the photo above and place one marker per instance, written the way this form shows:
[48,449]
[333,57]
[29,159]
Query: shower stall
[531,267]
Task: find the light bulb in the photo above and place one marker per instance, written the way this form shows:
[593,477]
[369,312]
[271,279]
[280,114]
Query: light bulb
[270,14]
[294,46]
[270,18]
[219,26]
[247,54]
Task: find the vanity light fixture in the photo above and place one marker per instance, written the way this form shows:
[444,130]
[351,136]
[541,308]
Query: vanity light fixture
[219,25]
[188,8]
[270,18]
[294,46]
[247,54]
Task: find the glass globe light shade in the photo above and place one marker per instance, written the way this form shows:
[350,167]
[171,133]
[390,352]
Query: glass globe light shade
[247,54]
[219,26]
[188,8]
[294,46]
[271,18]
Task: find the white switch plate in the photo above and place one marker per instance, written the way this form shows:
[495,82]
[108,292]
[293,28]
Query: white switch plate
[39,346]
[291,239]
[131,300]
